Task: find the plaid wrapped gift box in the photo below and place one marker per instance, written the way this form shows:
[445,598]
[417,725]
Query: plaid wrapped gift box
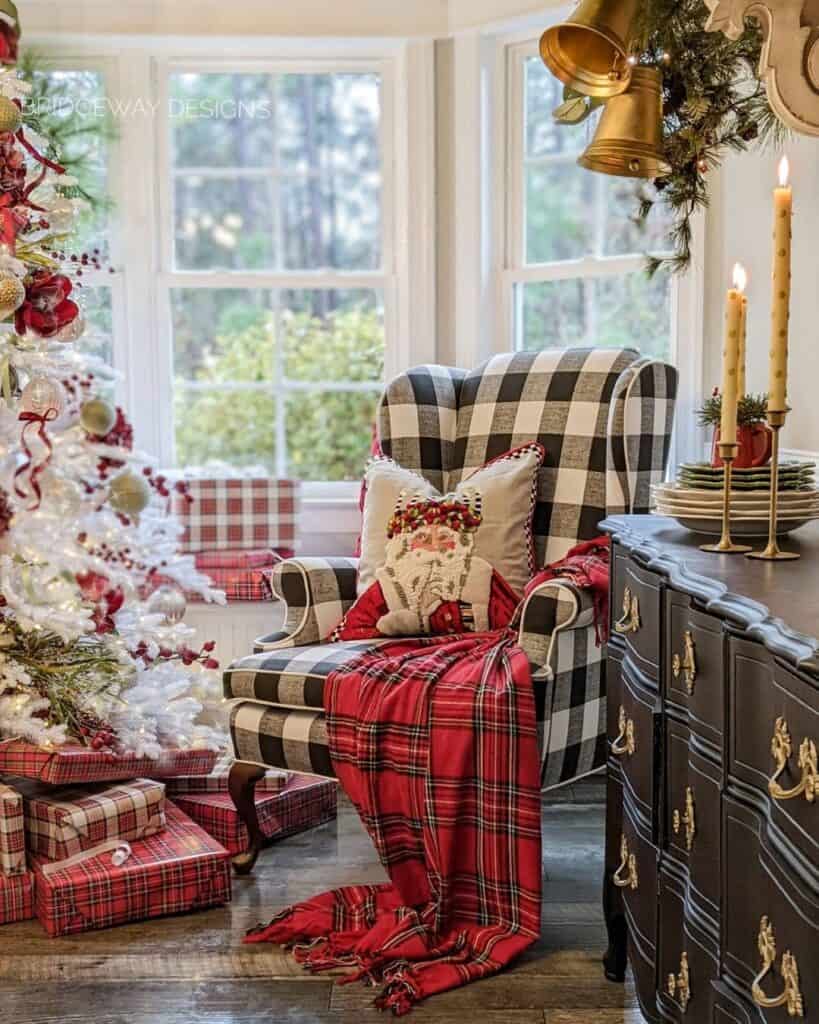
[12,832]
[59,827]
[16,898]
[176,871]
[305,802]
[217,782]
[72,764]
[239,513]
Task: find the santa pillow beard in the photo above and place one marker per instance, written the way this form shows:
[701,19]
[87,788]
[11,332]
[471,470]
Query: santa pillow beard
[430,567]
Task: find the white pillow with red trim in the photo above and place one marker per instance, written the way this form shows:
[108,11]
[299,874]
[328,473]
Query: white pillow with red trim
[433,563]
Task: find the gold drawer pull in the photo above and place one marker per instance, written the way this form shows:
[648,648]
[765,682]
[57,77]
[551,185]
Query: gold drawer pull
[624,743]
[687,664]
[679,986]
[687,819]
[628,862]
[781,751]
[792,996]
[630,619]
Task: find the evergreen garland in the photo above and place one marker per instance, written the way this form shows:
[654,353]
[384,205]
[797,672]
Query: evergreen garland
[713,103]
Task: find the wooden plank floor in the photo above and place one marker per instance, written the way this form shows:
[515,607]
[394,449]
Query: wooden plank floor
[193,968]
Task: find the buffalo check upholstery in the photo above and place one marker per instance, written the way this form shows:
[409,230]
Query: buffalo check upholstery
[604,417]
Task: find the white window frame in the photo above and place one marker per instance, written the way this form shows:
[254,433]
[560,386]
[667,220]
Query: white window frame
[141,244]
[170,278]
[686,343]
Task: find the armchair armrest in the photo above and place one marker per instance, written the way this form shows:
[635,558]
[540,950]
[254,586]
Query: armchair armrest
[547,611]
[317,592]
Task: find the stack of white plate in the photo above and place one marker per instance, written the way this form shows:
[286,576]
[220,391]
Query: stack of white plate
[700,510]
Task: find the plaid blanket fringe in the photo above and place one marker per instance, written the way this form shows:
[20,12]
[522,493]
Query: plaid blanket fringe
[434,741]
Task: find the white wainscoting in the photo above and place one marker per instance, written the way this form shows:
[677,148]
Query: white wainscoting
[234,627]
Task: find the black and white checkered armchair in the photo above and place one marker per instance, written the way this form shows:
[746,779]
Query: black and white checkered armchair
[604,417]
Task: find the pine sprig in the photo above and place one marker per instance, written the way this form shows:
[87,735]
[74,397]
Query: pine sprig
[713,104]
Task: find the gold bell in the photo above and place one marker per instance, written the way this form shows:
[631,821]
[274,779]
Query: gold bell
[589,52]
[629,138]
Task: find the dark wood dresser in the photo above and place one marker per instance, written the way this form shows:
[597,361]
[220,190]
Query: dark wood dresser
[712,845]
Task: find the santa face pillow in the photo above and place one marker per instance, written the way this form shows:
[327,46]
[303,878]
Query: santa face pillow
[439,564]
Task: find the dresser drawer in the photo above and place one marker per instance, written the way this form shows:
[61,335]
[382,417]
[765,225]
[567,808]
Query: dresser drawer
[774,741]
[773,921]
[687,961]
[634,743]
[636,877]
[614,697]
[644,976]
[636,609]
[692,826]
[695,666]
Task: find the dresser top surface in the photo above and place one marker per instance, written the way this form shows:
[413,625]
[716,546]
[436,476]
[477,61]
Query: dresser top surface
[777,603]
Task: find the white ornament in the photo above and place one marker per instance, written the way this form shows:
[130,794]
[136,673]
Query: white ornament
[42,395]
[169,601]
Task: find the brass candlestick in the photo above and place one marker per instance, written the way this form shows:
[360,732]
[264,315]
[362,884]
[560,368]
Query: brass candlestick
[727,452]
[776,421]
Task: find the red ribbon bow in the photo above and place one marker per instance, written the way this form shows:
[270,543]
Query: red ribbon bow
[29,419]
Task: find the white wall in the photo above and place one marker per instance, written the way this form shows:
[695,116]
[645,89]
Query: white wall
[739,229]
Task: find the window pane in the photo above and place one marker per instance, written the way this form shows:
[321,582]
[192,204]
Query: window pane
[231,427]
[329,434]
[333,336]
[222,120]
[222,335]
[628,311]
[223,223]
[301,188]
[622,235]
[560,213]
[543,93]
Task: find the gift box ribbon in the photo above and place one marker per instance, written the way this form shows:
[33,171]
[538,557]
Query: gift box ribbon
[120,852]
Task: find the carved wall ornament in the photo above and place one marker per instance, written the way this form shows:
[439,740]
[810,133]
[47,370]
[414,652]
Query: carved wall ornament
[790,57]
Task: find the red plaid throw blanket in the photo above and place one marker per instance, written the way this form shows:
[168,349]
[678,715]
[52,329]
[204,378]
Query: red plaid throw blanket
[434,741]
[587,567]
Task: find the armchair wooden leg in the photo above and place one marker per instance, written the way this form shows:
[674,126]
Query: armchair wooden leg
[242,787]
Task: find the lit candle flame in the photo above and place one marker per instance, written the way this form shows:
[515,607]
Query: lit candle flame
[740,277]
[784,171]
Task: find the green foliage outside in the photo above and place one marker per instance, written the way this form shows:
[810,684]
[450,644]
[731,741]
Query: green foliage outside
[326,432]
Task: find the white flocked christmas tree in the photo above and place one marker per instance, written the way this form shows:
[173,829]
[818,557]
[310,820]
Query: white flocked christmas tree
[92,646]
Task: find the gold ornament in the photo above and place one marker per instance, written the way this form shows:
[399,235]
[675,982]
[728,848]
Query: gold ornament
[11,117]
[10,11]
[129,493]
[12,295]
[590,51]
[628,142]
[97,417]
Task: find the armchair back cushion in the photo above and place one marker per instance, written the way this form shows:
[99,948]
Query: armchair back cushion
[604,417]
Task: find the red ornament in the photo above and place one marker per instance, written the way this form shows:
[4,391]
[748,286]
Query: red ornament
[9,41]
[47,308]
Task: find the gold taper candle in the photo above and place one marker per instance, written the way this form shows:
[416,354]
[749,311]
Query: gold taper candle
[730,357]
[742,387]
[780,309]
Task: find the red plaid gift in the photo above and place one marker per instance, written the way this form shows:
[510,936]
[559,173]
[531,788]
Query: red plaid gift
[304,803]
[72,764]
[16,898]
[77,821]
[217,782]
[12,832]
[265,558]
[240,584]
[176,871]
[239,514]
